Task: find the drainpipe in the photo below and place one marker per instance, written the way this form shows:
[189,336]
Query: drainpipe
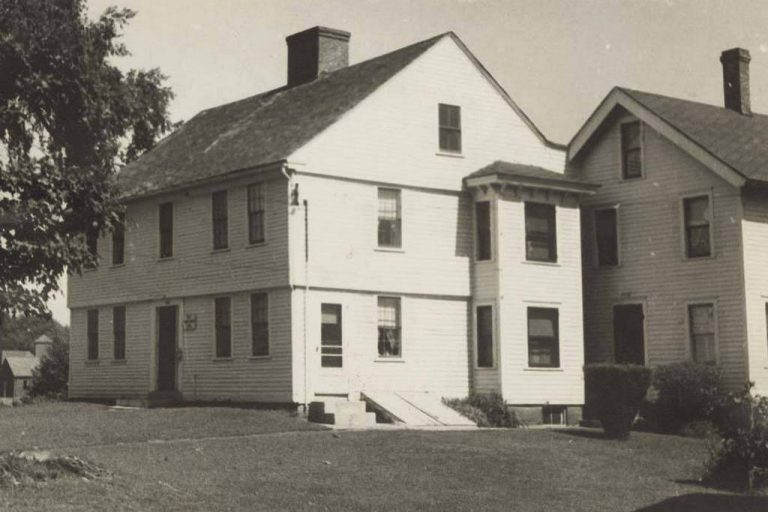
[306,293]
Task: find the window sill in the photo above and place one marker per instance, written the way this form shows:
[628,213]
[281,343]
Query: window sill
[256,244]
[166,258]
[700,258]
[485,368]
[219,251]
[542,263]
[389,360]
[222,359]
[117,265]
[119,361]
[450,154]
[543,369]
[390,249]
[259,358]
[92,362]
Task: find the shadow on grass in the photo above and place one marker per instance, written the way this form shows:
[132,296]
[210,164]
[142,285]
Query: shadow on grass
[585,433]
[701,502]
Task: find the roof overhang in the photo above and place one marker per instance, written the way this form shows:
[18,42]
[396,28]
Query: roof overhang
[617,97]
[530,182]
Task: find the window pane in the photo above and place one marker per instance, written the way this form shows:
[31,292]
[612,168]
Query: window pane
[118,328]
[331,344]
[389,231]
[540,232]
[389,326]
[93,333]
[483,226]
[702,330]
[223,328]
[631,154]
[543,337]
[256,206]
[697,210]
[606,234]
[630,135]
[485,336]
[259,324]
[220,219]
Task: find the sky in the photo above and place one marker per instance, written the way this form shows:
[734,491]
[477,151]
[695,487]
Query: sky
[556,58]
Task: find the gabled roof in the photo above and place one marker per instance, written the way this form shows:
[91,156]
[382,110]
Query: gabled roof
[267,128]
[733,145]
[21,366]
[528,175]
[15,353]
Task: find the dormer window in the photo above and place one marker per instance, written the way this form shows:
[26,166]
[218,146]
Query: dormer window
[631,151]
[450,128]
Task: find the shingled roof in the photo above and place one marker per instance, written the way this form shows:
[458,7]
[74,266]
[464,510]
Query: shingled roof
[737,142]
[22,366]
[261,129]
[531,175]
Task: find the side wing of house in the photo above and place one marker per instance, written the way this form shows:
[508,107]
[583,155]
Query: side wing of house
[662,253]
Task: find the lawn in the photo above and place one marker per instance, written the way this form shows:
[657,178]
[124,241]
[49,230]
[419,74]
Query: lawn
[238,459]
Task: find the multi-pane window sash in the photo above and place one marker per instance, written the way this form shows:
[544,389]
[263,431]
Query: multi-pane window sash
[223,307]
[118,241]
[331,336]
[697,227]
[256,205]
[166,230]
[607,237]
[390,222]
[543,338]
[483,226]
[540,232]
[450,128]
[631,151]
[390,343]
[220,219]
[701,318]
[485,336]
[118,331]
[92,333]
[259,324]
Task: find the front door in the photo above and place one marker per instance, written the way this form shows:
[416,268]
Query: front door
[629,333]
[332,376]
[166,348]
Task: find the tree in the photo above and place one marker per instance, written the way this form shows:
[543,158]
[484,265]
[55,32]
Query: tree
[68,120]
[51,376]
[21,332]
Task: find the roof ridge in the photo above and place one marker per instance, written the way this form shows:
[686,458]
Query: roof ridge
[630,91]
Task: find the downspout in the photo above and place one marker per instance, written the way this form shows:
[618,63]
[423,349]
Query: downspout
[306,293]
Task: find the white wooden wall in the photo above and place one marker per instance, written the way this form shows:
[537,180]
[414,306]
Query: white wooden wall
[755,238]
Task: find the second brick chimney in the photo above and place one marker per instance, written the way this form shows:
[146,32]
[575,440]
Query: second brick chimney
[314,52]
[736,80]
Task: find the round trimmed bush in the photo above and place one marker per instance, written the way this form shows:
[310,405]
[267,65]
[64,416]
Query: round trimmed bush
[614,394]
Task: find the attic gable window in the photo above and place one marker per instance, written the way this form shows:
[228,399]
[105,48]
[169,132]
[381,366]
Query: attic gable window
[631,151]
[697,219]
[450,128]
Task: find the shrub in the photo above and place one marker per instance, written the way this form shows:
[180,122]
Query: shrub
[50,378]
[487,410]
[740,459]
[685,393]
[614,393]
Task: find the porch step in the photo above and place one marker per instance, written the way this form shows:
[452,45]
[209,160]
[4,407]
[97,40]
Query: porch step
[416,408]
[341,412]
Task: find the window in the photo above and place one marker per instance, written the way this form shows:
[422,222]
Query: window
[330,342]
[166,230]
[259,324]
[543,338]
[118,241]
[450,128]
[631,152]
[607,237]
[92,328]
[389,327]
[92,244]
[554,415]
[118,331]
[483,226]
[390,223]
[540,232]
[256,213]
[222,308]
[701,325]
[219,216]
[696,211]
[484,336]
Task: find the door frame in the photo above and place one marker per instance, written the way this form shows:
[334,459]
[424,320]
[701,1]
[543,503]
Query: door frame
[631,301]
[155,343]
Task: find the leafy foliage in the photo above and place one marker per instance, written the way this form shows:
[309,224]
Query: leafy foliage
[740,460]
[51,376]
[685,393]
[614,393]
[19,333]
[487,410]
[68,119]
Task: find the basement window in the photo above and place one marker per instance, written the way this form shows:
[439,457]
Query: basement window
[554,415]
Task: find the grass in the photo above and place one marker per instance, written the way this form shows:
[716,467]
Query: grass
[288,465]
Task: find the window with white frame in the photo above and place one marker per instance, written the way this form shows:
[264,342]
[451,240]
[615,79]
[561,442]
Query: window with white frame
[540,232]
[543,338]
[390,341]
[701,327]
[390,221]
[449,118]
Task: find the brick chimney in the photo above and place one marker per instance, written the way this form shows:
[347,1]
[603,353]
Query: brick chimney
[314,52]
[736,80]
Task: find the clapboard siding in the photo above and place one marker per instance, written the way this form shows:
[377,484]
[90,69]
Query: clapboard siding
[526,284]
[434,345]
[194,268]
[755,237]
[392,136]
[653,270]
[343,240]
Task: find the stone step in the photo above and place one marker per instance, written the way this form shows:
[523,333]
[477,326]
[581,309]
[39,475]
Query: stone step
[341,412]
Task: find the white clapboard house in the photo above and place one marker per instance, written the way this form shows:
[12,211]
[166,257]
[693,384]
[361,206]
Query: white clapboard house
[396,230]
[675,241]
